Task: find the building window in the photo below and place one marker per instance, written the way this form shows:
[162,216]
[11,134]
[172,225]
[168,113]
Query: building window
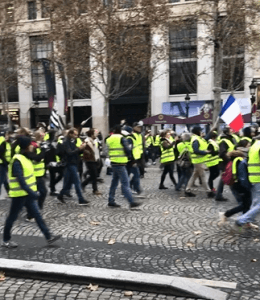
[8,70]
[183,60]
[44,10]
[9,10]
[126,3]
[40,49]
[32,10]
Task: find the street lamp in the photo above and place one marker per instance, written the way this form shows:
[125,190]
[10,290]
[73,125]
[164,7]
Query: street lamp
[36,105]
[252,88]
[187,101]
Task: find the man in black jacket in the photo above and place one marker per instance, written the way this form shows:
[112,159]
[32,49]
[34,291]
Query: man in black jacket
[71,157]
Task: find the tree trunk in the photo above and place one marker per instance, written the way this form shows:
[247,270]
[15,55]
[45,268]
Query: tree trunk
[218,66]
[149,105]
[3,97]
[71,109]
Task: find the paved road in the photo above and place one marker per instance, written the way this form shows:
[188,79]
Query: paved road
[169,234]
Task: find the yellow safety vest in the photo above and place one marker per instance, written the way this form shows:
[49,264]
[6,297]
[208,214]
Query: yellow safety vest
[8,150]
[46,137]
[231,146]
[203,145]
[254,163]
[116,150]
[2,140]
[137,149]
[213,160]
[157,140]
[167,155]
[236,138]
[246,138]
[184,146]
[149,141]
[39,167]
[17,149]
[234,167]
[28,174]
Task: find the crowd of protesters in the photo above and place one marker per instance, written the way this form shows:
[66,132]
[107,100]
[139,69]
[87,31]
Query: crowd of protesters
[26,157]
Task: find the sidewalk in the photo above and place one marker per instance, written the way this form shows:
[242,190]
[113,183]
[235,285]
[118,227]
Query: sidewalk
[168,235]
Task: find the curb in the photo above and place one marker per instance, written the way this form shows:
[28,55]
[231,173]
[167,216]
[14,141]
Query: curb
[171,285]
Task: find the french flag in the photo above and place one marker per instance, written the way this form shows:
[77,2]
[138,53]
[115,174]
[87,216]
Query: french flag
[231,114]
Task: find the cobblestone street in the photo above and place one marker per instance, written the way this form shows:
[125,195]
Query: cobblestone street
[169,234]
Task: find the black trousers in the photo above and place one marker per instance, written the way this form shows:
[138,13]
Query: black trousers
[56,174]
[213,174]
[92,175]
[168,168]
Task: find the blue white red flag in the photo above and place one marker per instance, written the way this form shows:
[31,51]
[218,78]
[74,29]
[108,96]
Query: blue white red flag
[231,114]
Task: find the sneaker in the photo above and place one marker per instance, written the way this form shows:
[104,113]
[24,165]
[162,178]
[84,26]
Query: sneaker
[221,199]
[85,202]
[31,220]
[53,194]
[162,187]
[238,228]
[113,204]
[100,180]
[251,226]
[211,194]
[135,204]
[97,193]
[222,219]
[154,163]
[189,194]
[53,239]
[68,195]
[60,198]
[9,244]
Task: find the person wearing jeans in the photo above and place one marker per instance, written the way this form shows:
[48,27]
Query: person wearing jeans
[23,192]
[198,157]
[254,178]
[119,154]
[71,157]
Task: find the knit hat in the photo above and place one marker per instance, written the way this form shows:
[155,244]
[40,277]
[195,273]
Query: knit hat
[24,141]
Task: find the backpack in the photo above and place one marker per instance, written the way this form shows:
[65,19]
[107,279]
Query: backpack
[184,161]
[227,176]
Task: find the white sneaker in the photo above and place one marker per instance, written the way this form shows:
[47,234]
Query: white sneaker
[251,226]
[222,219]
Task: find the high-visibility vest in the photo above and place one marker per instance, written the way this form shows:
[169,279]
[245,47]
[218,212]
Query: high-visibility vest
[203,145]
[8,150]
[148,141]
[137,149]
[172,139]
[17,149]
[254,163]
[167,155]
[116,150]
[213,160]
[236,138]
[246,138]
[46,136]
[39,167]
[28,174]
[184,146]
[234,167]
[2,140]
[157,140]
[231,146]
[78,144]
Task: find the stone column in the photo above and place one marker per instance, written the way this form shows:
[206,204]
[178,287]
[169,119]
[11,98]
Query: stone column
[24,78]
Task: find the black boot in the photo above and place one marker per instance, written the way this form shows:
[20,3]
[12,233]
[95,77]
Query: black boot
[162,187]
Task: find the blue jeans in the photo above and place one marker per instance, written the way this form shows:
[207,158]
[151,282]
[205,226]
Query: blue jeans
[71,176]
[32,208]
[184,177]
[135,181]
[3,177]
[120,173]
[254,209]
